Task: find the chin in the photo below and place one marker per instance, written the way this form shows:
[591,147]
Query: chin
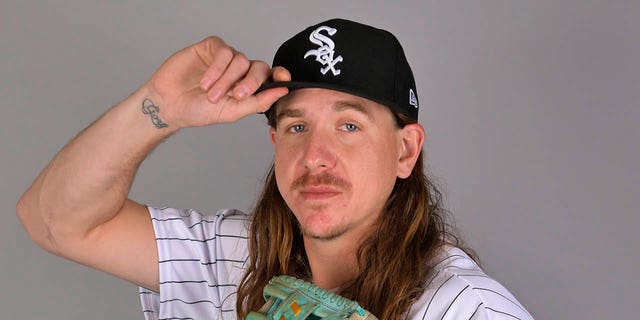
[322,227]
[323,235]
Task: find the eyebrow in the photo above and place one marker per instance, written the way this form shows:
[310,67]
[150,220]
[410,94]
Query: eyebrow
[341,105]
[352,105]
[290,113]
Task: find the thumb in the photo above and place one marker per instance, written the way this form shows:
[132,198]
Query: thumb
[265,99]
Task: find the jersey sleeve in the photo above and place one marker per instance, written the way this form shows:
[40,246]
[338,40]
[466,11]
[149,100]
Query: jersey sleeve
[201,261]
[459,289]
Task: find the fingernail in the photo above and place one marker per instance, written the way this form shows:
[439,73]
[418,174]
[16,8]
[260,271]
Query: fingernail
[240,92]
[284,92]
[206,83]
[214,95]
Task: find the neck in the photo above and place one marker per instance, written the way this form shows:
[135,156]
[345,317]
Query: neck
[333,262]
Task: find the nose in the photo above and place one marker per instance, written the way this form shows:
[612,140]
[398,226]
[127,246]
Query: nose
[319,152]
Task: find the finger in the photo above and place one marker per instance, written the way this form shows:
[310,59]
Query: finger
[236,70]
[221,59]
[262,101]
[258,73]
[232,110]
[280,74]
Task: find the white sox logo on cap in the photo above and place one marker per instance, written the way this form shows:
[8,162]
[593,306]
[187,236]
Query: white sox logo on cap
[324,54]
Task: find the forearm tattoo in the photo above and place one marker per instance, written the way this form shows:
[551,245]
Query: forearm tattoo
[150,108]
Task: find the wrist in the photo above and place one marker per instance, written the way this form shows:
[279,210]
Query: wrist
[151,112]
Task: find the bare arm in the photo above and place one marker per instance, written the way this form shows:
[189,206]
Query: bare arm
[78,207]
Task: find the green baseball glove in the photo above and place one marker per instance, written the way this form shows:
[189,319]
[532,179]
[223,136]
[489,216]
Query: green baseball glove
[289,298]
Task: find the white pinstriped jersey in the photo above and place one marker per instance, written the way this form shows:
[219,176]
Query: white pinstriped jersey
[202,258]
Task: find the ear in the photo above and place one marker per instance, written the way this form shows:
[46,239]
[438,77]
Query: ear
[272,135]
[411,139]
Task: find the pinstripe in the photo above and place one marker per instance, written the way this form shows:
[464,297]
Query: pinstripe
[476,311]
[202,257]
[453,301]
[434,295]
[500,294]
[502,312]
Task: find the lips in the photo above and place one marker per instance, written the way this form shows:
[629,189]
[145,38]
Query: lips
[320,187]
[319,192]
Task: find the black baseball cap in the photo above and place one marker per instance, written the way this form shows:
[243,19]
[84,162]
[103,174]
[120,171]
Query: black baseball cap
[350,57]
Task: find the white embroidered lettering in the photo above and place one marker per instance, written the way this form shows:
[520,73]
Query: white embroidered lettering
[413,100]
[325,53]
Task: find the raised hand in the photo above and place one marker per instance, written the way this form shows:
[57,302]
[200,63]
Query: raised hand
[210,82]
[78,208]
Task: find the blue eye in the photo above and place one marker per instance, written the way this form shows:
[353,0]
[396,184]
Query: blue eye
[350,127]
[296,128]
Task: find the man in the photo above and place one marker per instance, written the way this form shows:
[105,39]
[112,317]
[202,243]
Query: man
[346,204]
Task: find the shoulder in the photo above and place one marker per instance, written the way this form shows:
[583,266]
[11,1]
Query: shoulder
[459,289]
[188,221]
[159,213]
[201,260]
[202,237]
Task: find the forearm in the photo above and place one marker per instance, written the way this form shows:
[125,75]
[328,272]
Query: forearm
[88,181]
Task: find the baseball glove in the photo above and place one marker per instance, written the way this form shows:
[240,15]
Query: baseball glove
[289,298]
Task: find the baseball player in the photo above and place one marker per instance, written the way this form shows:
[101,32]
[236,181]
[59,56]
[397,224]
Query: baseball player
[346,211]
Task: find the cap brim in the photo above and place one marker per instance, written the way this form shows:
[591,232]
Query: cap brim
[293,85]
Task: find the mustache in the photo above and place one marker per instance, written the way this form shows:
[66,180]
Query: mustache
[325,179]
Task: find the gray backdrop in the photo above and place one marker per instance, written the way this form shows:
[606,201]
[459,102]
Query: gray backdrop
[531,110]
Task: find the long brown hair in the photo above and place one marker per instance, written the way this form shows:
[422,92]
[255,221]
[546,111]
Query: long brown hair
[393,262]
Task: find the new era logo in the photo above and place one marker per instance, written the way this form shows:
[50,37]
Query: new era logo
[413,100]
